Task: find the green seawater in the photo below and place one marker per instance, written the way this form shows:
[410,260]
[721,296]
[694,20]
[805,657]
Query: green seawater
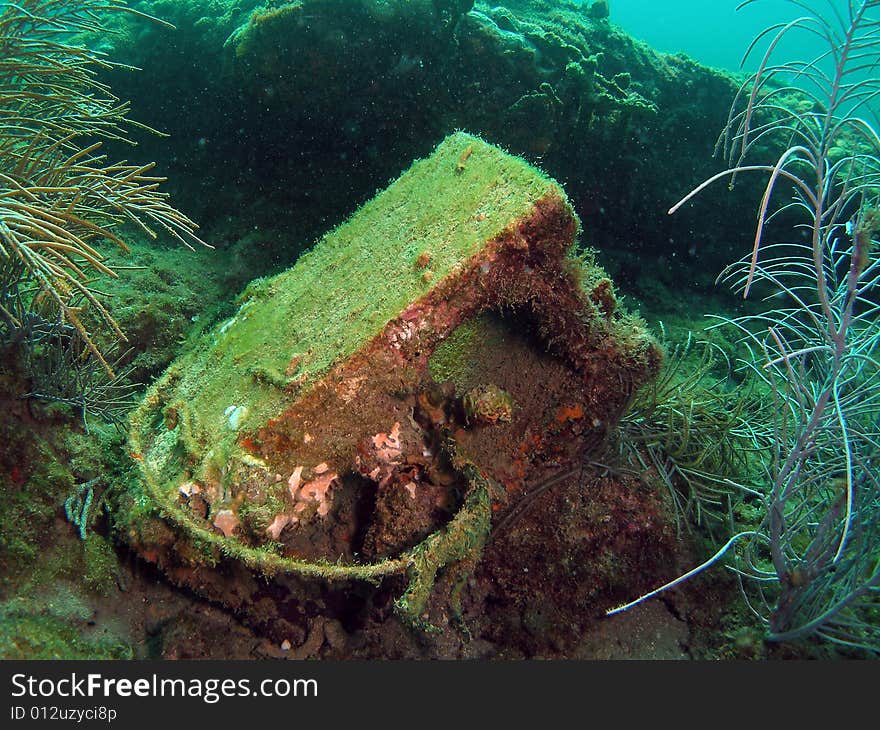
[712,32]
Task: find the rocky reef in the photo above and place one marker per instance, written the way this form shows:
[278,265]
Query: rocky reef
[320,99]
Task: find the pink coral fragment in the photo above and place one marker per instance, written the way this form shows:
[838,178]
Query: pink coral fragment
[294,481]
[278,524]
[388,440]
[318,490]
[188,489]
[388,444]
[226,522]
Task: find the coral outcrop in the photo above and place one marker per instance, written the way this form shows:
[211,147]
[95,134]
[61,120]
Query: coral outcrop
[342,94]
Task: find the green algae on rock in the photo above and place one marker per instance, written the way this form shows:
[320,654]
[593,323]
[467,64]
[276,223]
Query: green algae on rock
[307,436]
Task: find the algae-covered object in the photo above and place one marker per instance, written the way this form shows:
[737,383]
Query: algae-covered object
[369,410]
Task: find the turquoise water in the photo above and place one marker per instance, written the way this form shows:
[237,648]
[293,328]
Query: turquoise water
[714,33]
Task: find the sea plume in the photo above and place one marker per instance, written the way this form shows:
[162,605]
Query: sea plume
[61,200]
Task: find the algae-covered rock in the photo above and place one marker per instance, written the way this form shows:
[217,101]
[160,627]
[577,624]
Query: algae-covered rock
[363,413]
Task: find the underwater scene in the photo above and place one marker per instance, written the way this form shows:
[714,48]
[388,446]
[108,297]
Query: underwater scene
[439,329]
